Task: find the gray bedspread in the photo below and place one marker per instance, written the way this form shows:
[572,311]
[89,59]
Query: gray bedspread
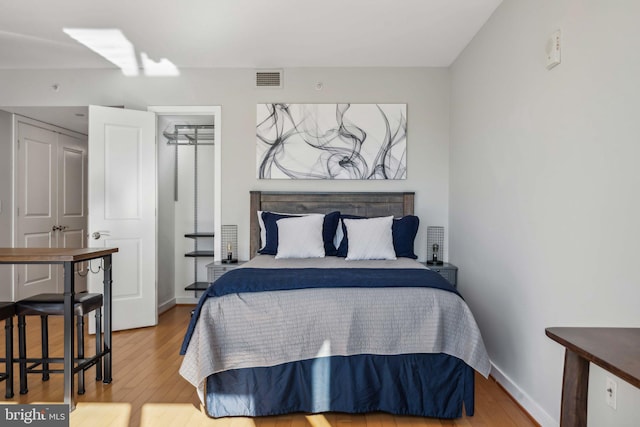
[271,328]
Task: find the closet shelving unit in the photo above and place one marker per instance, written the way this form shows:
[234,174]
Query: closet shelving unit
[194,136]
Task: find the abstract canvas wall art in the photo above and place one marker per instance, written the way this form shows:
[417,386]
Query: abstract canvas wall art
[331,141]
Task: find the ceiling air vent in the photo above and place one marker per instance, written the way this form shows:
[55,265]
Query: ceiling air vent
[269,78]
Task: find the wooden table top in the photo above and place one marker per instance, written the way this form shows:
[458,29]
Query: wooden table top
[51,255]
[614,349]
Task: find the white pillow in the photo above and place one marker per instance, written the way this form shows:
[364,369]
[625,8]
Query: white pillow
[370,238]
[263,230]
[300,237]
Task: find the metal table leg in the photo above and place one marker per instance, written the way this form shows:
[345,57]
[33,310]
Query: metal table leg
[107,318]
[69,291]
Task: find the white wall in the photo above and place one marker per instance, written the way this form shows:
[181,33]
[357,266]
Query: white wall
[544,206]
[426,91]
[6,189]
[166,222]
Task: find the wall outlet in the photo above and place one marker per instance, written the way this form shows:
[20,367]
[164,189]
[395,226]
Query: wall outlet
[611,392]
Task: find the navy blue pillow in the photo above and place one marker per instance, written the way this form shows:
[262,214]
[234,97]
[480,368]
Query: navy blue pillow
[404,232]
[329,227]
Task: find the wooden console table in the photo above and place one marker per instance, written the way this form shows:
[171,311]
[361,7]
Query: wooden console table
[69,258]
[616,350]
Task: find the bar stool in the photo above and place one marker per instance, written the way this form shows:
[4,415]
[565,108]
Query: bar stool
[7,310]
[45,305]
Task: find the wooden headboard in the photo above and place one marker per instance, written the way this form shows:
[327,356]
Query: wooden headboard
[364,203]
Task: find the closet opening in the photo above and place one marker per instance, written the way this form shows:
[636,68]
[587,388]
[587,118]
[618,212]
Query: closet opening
[188,147]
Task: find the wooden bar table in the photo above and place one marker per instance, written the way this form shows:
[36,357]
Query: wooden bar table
[616,350]
[69,258]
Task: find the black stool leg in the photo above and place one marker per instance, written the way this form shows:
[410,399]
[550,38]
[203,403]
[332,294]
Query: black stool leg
[22,354]
[8,331]
[99,343]
[80,333]
[44,327]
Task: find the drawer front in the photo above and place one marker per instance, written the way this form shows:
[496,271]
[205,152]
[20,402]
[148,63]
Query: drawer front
[220,270]
[215,270]
[448,273]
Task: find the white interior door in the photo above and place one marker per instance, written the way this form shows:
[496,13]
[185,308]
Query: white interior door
[36,177]
[51,180]
[122,206]
[72,200]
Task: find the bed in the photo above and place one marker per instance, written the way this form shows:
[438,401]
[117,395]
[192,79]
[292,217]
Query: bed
[285,334]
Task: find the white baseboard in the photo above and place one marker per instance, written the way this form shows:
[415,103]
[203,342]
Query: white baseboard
[186,300]
[166,306]
[529,405]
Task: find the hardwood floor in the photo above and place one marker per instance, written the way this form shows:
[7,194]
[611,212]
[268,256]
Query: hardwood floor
[147,390]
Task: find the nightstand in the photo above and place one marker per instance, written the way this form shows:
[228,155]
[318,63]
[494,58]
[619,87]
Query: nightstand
[446,270]
[217,269]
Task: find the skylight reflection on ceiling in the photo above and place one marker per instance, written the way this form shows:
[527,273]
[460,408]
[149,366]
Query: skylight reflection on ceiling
[112,45]
[164,67]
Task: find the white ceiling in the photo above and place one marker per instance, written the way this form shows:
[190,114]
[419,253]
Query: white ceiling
[245,33]
[72,118]
[238,33]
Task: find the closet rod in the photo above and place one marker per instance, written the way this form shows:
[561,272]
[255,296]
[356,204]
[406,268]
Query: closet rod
[190,135]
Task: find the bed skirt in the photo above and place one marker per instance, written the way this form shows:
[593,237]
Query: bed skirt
[428,385]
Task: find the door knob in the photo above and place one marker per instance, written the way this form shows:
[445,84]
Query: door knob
[97,234]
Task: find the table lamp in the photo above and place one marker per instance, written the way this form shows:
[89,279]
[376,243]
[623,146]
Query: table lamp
[435,245]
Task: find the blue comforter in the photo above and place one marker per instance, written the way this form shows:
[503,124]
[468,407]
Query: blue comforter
[244,280]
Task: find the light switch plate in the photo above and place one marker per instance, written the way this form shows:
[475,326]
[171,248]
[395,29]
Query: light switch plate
[553,50]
